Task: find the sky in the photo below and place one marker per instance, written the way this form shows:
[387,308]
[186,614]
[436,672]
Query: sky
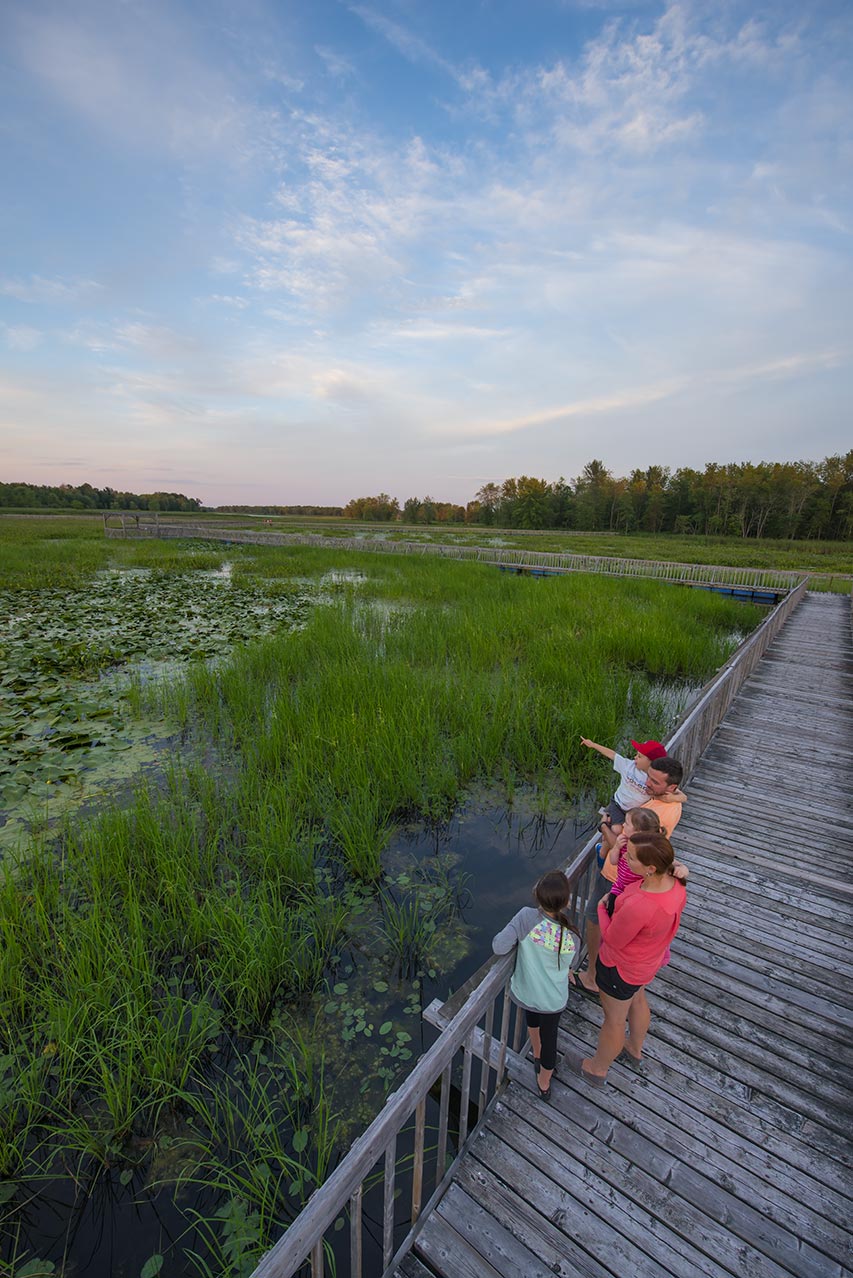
[298,251]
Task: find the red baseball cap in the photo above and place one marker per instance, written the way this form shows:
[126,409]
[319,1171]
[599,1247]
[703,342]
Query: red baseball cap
[651,749]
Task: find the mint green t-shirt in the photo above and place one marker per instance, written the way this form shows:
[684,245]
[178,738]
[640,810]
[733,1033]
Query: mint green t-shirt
[540,982]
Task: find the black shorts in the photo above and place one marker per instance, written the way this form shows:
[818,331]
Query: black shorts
[616,813]
[610,983]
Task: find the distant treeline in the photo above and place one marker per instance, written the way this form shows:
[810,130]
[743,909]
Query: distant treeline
[281,510]
[85,497]
[767,499]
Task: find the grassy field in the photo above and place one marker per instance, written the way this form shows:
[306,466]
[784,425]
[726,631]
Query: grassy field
[197,982]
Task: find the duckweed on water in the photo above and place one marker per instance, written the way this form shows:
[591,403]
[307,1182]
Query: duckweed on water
[221,965]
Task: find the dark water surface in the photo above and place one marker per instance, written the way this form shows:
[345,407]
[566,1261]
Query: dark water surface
[501,852]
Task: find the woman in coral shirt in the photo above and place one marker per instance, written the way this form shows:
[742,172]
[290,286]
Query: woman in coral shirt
[634,943]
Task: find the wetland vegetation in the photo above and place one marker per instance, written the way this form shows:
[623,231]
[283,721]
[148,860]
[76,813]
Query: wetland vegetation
[210,980]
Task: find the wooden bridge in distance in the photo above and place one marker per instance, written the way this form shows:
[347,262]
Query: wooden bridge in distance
[728,1152]
[761,585]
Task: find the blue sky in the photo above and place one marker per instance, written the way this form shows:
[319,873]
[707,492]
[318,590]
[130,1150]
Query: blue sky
[299,251]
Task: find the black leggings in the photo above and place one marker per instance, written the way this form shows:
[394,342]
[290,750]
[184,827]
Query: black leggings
[546,1023]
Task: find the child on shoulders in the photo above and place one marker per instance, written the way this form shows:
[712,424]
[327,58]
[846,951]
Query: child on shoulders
[632,791]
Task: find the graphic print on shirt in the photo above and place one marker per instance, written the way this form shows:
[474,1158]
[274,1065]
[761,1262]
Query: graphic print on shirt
[547,934]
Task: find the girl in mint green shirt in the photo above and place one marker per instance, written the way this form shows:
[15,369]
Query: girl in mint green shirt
[547,945]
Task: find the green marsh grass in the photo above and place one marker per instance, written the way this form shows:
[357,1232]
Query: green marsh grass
[153,942]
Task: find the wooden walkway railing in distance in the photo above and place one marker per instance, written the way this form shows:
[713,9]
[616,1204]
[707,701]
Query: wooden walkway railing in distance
[478,1028]
[771,579]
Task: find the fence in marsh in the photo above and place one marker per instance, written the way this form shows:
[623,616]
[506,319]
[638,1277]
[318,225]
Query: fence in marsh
[478,1027]
[772,580]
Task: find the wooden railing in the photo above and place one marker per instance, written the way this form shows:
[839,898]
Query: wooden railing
[477,1025]
[141,525]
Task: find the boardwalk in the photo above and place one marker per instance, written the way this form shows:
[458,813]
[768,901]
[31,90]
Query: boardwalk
[730,1152]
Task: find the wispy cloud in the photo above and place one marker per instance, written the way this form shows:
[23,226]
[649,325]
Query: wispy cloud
[412,46]
[636,397]
[38,289]
[141,78]
[20,337]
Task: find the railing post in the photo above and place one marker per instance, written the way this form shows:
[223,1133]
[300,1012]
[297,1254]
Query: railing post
[355,1240]
[484,1063]
[388,1204]
[418,1165]
[465,1099]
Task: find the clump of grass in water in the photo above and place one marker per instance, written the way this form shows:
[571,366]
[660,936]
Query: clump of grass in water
[265,1150]
[413,913]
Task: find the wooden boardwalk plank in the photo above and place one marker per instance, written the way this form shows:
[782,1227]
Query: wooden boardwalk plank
[729,1151]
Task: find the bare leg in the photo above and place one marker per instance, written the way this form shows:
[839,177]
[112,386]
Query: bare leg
[535,1042]
[611,1036]
[543,1079]
[593,941]
[639,1016]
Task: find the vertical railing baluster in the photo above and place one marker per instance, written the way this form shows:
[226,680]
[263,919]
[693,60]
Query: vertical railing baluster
[355,1248]
[517,1029]
[484,1064]
[505,1012]
[388,1204]
[443,1104]
[418,1167]
[467,1057]
[318,1264]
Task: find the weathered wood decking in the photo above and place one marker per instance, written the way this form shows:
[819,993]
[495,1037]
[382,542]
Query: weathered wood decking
[730,1153]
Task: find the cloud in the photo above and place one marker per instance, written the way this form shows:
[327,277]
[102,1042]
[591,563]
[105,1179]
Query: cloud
[337,65]
[787,366]
[611,403]
[20,337]
[38,289]
[138,76]
[411,46]
[414,331]
[355,210]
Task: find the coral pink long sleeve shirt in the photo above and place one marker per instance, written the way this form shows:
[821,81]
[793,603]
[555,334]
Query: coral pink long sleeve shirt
[636,939]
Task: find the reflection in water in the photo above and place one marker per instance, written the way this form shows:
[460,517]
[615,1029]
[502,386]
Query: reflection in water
[502,851]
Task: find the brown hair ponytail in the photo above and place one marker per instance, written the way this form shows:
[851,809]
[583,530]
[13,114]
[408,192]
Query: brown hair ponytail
[552,893]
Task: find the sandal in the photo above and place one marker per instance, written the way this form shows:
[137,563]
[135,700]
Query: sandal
[544,1095]
[633,1062]
[577,984]
[574,1058]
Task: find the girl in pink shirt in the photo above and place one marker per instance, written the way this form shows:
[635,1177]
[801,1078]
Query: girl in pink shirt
[637,821]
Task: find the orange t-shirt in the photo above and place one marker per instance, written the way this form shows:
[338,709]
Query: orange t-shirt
[669,815]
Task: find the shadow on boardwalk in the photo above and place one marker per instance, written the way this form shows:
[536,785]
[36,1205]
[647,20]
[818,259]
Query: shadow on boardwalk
[730,1152]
